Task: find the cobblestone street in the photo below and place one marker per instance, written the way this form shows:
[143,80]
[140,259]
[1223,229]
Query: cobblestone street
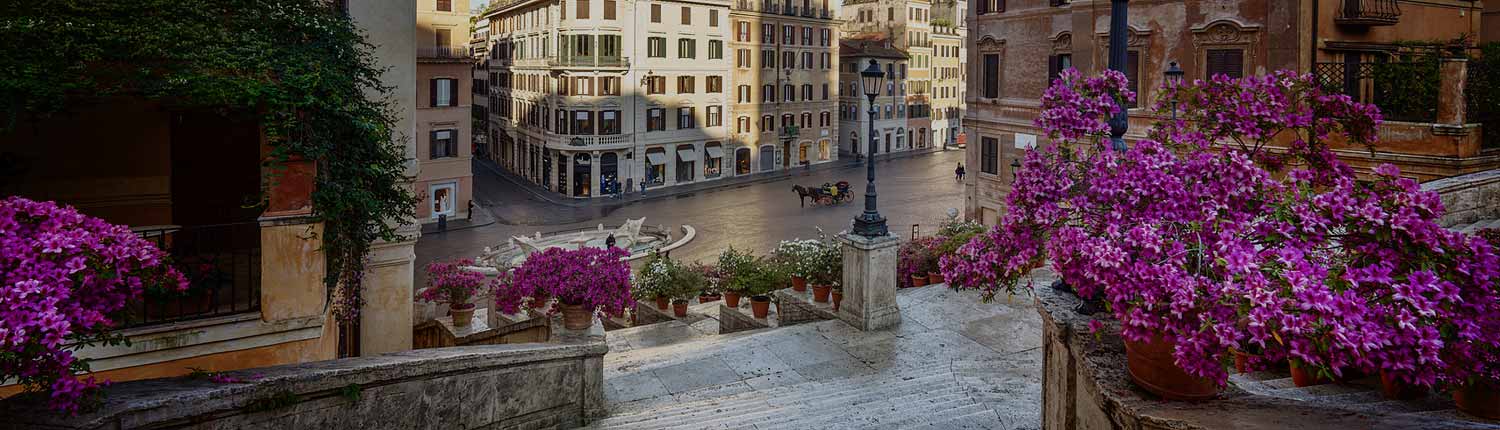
[755,215]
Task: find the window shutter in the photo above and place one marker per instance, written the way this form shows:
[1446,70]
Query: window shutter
[999,5]
[453,92]
[1229,62]
[1052,69]
[432,143]
[433,93]
[1132,73]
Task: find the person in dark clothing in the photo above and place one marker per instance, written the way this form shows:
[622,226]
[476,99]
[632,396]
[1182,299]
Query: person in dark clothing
[959,172]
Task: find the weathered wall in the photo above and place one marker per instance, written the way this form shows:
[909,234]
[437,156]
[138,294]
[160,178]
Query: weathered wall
[500,386]
[1468,198]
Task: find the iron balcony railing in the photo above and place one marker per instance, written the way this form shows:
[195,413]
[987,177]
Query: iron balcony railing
[588,61]
[1368,12]
[444,52]
[1404,91]
[221,263]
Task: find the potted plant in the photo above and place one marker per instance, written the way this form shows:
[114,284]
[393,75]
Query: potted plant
[913,259]
[653,281]
[683,283]
[448,283]
[826,269]
[711,291]
[583,281]
[796,255]
[733,265]
[951,235]
[759,280]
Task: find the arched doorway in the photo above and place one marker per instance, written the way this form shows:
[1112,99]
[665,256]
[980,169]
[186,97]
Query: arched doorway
[609,177]
[767,158]
[742,161]
[583,175]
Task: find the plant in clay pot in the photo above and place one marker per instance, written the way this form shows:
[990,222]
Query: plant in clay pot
[760,279]
[652,283]
[448,283]
[683,283]
[798,254]
[711,291]
[732,266]
[914,259]
[826,267]
[583,281]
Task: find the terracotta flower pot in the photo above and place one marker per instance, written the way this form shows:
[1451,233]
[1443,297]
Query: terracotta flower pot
[799,284]
[838,296]
[919,280]
[1151,367]
[1394,388]
[820,293]
[1241,361]
[732,299]
[935,278]
[462,314]
[1304,377]
[1478,399]
[575,317]
[662,302]
[760,306]
[679,308]
[709,298]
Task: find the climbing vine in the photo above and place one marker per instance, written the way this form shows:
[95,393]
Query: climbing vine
[301,66]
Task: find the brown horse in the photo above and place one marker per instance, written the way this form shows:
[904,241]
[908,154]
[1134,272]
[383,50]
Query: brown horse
[803,193]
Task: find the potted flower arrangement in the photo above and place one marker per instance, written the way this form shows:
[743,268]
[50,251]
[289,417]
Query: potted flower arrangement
[448,283]
[758,280]
[583,281]
[951,235]
[653,281]
[732,266]
[711,292]
[914,259]
[1200,241]
[683,283]
[797,254]
[827,269]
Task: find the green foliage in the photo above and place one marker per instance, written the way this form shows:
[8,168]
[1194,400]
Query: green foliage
[734,266]
[1483,92]
[954,234]
[762,277]
[299,66]
[1408,90]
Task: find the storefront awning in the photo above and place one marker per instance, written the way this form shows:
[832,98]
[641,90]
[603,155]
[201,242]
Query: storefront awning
[656,157]
[715,152]
[687,155]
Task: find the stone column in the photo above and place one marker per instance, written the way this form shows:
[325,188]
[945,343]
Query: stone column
[870,282]
[595,179]
[1453,74]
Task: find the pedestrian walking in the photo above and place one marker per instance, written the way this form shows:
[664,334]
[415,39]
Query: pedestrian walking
[959,172]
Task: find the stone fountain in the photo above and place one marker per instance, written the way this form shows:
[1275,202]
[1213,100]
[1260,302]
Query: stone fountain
[633,236]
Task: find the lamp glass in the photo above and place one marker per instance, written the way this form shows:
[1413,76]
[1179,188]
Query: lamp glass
[1174,73]
[871,78]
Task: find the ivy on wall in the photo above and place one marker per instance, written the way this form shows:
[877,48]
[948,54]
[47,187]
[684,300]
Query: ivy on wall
[301,66]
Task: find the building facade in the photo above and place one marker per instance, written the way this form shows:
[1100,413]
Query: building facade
[948,70]
[1018,46]
[785,78]
[890,121]
[444,94]
[931,34]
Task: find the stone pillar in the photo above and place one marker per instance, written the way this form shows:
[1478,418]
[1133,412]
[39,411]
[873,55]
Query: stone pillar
[870,282]
[595,180]
[385,320]
[292,268]
[1453,73]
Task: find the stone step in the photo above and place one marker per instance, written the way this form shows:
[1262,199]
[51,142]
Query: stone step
[855,406]
[907,410]
[929,420]
[795,402]
[979,420]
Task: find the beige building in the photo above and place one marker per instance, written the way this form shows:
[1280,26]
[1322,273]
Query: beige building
[947,89]
[890,121]
[785,84]
[444,93]
[931,35]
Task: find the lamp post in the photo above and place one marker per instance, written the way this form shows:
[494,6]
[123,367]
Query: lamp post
[1015,168]
[1174,78]
[1119,14]
[869,223]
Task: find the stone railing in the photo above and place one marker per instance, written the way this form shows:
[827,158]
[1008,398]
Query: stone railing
[1468,198]
[492,386]
[1085,385]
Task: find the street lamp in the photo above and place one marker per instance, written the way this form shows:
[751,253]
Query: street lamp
[1015,168]
[1119,14]
[1174,79]
[869,223]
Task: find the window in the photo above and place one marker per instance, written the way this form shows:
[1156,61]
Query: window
[685,118]
[609,9]
[825,91]
[768,33]
[609,122]
[741,31]
[826,61]
[825,119]
[655,13]
[1056,64]
[807,36]
[656,47]
[788,121]
[685,85]
[687,48]
[445,5]
[826,37]
[788,93]
[744,94]
[742,58]
[687,15]
[715,49]
[767,124]
[583,122]
[656,119]
[656,85]
[890,13]
[1132,72]
[715,84]
[443,144]
[713,18]
[715,116]
[444,92]
[768,59]
[583,10]
[742,125]
[789,60]
[991,75]
[985,7]
[583,86]
[989,155]
[788,35]
[807,92]
[1229,62]
[807,60]
[768,93]
[806,120]
[562,122]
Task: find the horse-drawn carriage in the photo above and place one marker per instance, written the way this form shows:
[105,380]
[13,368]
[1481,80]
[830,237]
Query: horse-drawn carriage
[824,195]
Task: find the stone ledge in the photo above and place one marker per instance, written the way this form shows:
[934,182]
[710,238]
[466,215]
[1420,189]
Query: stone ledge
[1085,385]
[551,383]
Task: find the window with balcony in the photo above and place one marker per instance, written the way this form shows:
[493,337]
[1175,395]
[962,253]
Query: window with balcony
[714,84]
[685,85]
[715,116]
[443,39]
[656,119]
[583,122]
[444,144]
[656,47]
[687,48]
[609,122]
[715,49]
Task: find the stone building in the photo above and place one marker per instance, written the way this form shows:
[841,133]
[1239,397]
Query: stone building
[932,35]
[444,94]
[947,89]
[785,79]
[854,107]
[1019,46]
[180,177]
[593,97]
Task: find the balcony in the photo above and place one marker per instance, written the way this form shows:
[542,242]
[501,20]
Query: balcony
[222,265]
[609,62]
[1366,13]
[586,141]
[444,54]
[782,9]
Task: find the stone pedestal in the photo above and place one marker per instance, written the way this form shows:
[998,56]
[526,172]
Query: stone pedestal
[870,281]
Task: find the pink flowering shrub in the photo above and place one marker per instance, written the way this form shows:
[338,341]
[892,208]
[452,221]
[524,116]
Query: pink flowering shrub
[448,282]
[916,257]
[1202,236]
[598,279]
[65,281]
